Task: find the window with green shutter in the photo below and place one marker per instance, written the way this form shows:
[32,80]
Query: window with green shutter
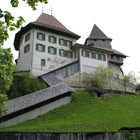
[52,39]
[40,36]
[40,47]
[62,52]
[52,50]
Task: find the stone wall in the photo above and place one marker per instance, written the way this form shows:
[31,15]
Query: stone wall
[36,112]
[63,136]
[84,80]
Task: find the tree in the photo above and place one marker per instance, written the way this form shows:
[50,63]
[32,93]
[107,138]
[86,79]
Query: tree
[126,79]
[102,77]
[6,72]
[130,78]
[8,21]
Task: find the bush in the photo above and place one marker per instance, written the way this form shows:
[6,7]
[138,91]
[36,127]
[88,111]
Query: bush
[24,84]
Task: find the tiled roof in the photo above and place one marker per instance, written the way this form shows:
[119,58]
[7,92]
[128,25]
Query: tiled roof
[96,33]
[115,52]
[51,21]
[98,48]
[48,23]
[32,99]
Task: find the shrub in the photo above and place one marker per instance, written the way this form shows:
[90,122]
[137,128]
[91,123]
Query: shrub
[24,84]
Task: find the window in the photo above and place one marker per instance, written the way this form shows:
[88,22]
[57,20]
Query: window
[43,62]
[41,36]
[52,50]
[103,57]
[40,47]
[62,42]
[52,39]
[68,54]
[99,57]
[62,52]
[69,43]
[85,53]
[27,37]
[27,48]
[93,55]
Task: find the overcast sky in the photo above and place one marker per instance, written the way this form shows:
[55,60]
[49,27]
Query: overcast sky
[118,19]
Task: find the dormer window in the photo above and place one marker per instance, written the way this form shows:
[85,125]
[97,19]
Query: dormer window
[27,37]
[41,36]
[52,39]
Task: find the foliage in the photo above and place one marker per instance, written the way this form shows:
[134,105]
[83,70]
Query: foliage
[133,78]
[8,21]
[132,135]
[87,114]
[102,77]
[24,84]
[125,80]
[6,72]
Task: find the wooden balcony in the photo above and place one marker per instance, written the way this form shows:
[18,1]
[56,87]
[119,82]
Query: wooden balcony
[116,61]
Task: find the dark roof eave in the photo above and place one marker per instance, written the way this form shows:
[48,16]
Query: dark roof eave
[91,48]
[33,25]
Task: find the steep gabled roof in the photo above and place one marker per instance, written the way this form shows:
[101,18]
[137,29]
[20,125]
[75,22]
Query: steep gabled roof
[48,23]
[96,33]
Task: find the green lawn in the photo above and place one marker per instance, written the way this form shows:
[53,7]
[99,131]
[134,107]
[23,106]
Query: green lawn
[87,114]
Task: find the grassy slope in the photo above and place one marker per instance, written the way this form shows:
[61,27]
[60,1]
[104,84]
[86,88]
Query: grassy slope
[86,114]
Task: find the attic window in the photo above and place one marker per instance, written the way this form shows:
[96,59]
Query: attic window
[40,36]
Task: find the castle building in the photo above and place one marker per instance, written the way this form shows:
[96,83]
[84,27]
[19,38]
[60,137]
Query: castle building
[46,45]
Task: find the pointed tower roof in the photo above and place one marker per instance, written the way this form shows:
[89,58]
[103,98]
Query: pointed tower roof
[51,21]
[96,33]
[48,23]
